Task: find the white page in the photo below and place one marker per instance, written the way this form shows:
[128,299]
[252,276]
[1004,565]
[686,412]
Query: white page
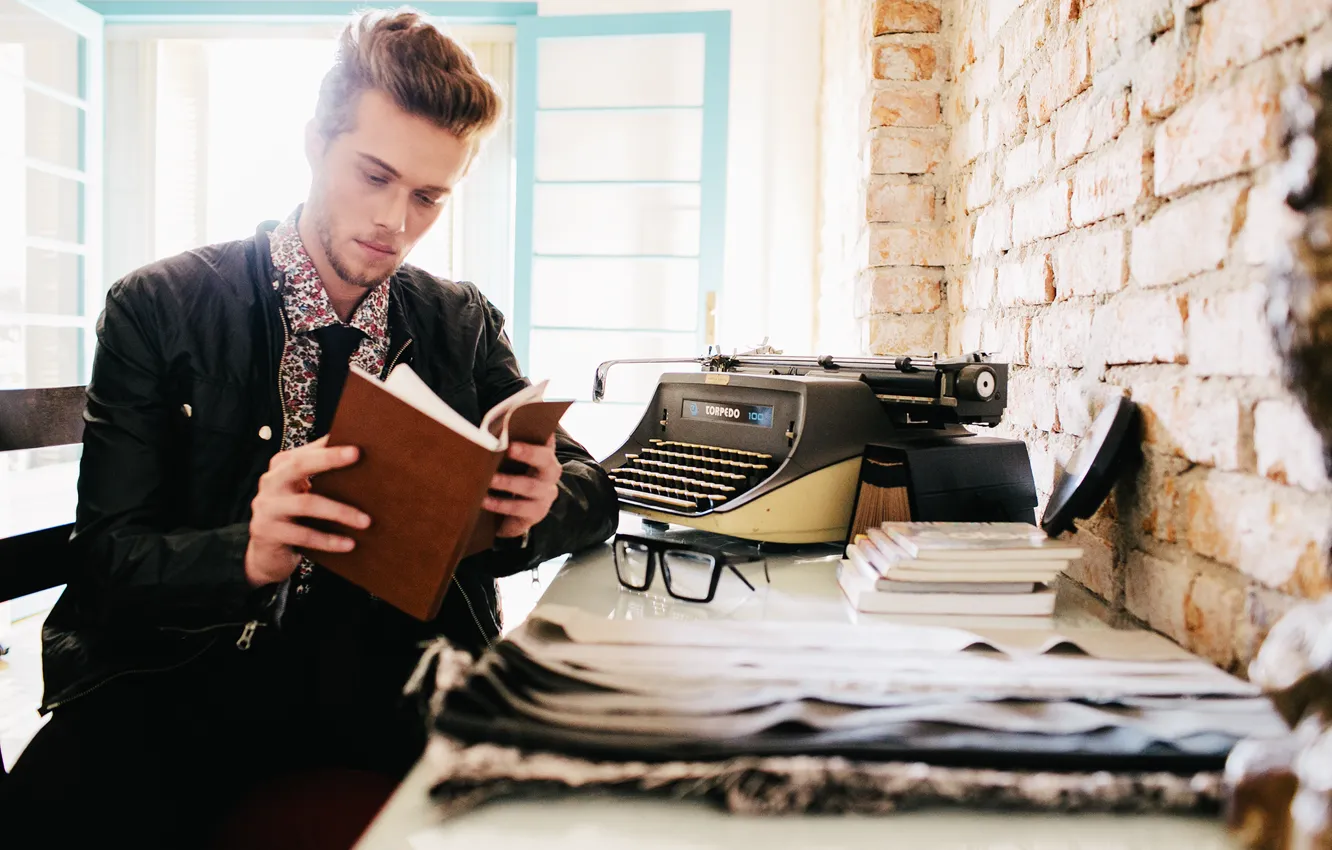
[407,386]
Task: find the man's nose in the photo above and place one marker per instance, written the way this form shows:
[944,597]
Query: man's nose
[391,216]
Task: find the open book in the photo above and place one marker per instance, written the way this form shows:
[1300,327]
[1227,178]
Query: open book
[423,472]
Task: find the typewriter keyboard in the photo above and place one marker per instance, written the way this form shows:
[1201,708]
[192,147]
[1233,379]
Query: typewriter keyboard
[689,476]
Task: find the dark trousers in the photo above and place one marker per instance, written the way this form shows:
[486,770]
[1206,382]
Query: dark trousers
[159,760]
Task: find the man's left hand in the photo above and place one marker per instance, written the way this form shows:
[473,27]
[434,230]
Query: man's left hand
[529,496]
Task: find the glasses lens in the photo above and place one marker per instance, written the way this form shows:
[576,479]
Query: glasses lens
[688,574]
[631,564]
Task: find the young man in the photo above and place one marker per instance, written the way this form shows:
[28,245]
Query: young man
[198,653]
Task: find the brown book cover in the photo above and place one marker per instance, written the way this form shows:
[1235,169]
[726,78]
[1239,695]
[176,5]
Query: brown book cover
[422,483]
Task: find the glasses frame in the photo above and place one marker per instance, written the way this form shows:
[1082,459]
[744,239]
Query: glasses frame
[657,547]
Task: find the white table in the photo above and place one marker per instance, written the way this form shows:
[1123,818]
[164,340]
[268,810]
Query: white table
[803,588]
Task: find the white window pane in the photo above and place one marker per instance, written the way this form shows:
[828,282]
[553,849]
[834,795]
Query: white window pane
[262,138]
[620,145]
[586,219]
[38,488]
[569,359]
[602,428]
[637,70]
[648,293]
[51,57]
[52,130]
[42,282]
[53,206]
[35,356]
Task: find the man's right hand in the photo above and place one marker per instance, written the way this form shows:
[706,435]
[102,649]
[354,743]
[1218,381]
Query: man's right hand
[283,499]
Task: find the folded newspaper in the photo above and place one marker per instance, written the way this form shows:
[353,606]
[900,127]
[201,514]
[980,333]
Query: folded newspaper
[567,682]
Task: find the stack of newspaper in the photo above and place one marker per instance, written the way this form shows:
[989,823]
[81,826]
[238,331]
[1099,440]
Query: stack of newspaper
[954,568]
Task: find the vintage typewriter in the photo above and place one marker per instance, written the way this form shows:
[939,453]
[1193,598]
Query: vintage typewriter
[785,449]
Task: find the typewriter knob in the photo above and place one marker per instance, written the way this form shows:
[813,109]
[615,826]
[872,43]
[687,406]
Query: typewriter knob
[976,383]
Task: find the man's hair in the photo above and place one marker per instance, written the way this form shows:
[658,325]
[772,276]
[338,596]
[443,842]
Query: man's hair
[426,73]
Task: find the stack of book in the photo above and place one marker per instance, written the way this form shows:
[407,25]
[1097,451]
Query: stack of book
[954,568]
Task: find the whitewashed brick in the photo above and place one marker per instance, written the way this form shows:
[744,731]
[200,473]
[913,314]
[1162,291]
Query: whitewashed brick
[922,334]
[1008,117]
[981,183]
[1228,333]
[993,225]
[1026,36]
[1269,224]
[1277,535]
[1235,32]
[1109,183]
[1185,237]
[969,332]
[1091,264]
[1140,327]
[1031,400]
[905,58]
[894,16]
[973,137]
[907,151]
[1197,420]
[898,245]
[998,13]
[1029,281]
[1029,160]
[1067,75]
[1042,213]
[889,201]
[978,287]
[1220,133]
[1163,76]
[1289,449]
[1006,338]
[1061,336]
[1117,27]
[898,290]
[905,107]
[1088,123]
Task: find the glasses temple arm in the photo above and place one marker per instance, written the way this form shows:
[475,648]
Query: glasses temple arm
[741,575]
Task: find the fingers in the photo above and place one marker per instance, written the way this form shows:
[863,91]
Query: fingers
[320,507]
[524,486]
[291,470]
[545,465]
[287,533]
[531,510]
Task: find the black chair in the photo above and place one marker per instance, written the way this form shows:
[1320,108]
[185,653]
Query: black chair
[38,558]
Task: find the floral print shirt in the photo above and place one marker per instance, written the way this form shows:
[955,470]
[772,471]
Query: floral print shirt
[308,309]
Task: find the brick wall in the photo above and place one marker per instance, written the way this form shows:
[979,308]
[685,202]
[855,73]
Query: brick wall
[1093,202]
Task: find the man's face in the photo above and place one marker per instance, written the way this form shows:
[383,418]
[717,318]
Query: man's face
[378,188]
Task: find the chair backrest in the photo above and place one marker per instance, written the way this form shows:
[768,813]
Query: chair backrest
[40,558]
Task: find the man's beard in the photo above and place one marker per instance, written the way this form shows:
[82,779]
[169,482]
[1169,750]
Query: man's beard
[325,232]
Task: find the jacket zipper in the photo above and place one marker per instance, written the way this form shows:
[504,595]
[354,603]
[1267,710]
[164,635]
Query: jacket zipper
[394,361]
[475,621]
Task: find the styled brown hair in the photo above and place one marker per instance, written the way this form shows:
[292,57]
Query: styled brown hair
[426,73]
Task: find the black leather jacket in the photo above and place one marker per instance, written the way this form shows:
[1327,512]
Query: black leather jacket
[183,416]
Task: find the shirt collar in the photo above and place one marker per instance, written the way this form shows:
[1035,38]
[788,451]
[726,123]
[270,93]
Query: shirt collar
[303,296]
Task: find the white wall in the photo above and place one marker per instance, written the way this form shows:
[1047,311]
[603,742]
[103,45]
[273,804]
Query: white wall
[771,196]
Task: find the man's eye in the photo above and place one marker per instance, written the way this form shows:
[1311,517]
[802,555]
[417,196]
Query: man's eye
[425,200]
[376,180]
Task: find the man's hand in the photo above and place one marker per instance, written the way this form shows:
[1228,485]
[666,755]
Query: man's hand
[531,495]
[284,497]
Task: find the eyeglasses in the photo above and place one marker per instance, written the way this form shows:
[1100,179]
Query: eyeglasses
[691,571]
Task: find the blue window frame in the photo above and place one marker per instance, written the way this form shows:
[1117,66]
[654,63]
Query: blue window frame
[710,182]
